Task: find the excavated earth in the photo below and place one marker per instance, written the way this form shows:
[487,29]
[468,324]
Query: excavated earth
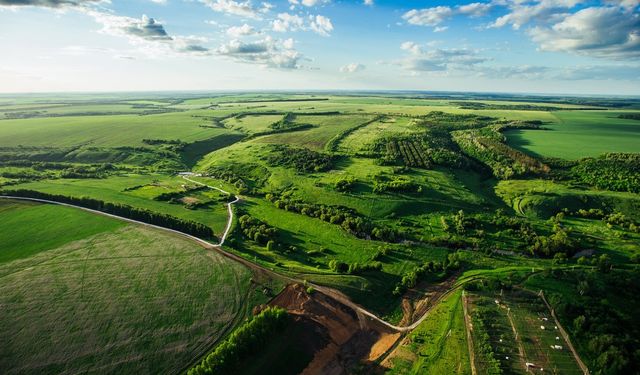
[339,339]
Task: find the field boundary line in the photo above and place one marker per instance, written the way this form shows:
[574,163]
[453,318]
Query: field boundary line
[564,334]
[467,324]
[523,355]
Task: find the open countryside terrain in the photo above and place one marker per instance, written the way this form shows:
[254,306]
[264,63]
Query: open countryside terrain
[396,221]
[86,293]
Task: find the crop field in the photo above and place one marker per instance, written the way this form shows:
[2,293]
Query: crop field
[579,134]
[515,332]
[148,301]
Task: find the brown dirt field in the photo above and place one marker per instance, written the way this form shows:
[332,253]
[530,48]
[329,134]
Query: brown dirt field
[352,339]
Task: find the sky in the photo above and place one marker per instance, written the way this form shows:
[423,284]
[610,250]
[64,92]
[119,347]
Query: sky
[515,46]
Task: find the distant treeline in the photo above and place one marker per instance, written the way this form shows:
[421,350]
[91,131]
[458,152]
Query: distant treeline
[231,355]
[275,100]
[516,107]
[163,220]
[630,116]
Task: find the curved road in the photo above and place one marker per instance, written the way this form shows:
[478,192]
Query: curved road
[328,291]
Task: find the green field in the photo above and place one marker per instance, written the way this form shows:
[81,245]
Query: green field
[103,131]
[579,134]
[380,196]
[112,298]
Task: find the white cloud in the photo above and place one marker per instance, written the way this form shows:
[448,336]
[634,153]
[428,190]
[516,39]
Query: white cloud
[48,3]
[147,34]
[321,25]
[605,32]
[368,2]
[287,22]
[308,3]
[238,8]
[475,9]
[243,30]
[523,12]
[429,16]
[267,52]
[437,15]
[411,47]
[438,60]
[352,68]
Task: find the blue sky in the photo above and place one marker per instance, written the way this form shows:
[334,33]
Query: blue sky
[537,46]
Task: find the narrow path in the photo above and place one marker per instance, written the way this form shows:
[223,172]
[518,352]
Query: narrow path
[565,336]
[227,229]
[468,327]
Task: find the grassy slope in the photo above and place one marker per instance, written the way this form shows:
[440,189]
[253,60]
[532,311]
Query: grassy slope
[127,300]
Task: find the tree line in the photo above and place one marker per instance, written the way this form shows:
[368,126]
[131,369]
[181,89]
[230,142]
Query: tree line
[348,219]
[150,217]
[231,355]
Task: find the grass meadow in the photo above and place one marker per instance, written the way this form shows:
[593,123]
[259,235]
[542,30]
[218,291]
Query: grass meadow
[122,299]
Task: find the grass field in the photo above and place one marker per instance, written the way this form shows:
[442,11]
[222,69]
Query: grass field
[40,224]
[120,300]
[579,134]
[105,131]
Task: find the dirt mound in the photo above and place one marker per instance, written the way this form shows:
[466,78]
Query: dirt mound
[351,338]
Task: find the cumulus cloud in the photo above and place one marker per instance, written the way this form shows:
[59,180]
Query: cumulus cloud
[523,12]
[429,16]
[606,32]
[437,15]
[368,2]
[308,3]
[438,60]
[48,3]
[243,30]
[147,34]
[268,52]
[475,9]
[287,22]
[145,28]
[238,8]
[321,25]
[292,22]
[352,68]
